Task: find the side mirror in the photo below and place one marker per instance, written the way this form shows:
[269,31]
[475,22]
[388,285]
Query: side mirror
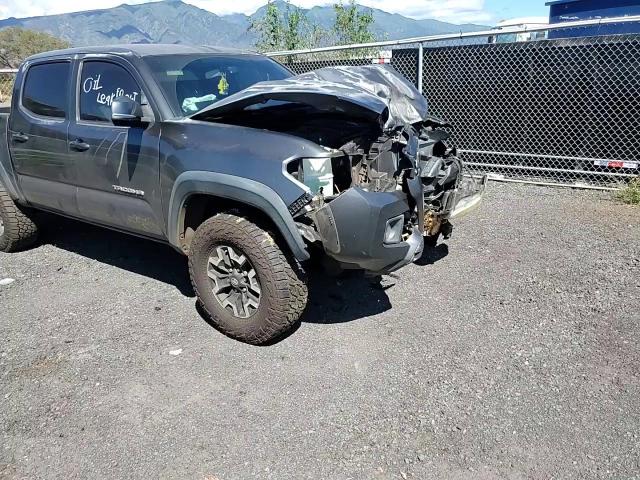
[125,111]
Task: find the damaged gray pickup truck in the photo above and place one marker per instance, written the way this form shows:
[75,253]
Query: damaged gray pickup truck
[236,163]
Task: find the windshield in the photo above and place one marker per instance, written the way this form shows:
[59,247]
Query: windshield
[193,82]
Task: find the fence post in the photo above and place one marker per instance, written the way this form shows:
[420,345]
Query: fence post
[420,66]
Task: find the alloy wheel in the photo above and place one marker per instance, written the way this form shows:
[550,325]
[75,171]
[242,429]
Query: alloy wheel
[234,281]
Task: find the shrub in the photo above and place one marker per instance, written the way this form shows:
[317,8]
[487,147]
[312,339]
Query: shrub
[630,193]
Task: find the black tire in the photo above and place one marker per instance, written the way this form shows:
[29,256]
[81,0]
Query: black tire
[19,230]
[282,280]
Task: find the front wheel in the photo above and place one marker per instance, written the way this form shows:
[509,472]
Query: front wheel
[249,288]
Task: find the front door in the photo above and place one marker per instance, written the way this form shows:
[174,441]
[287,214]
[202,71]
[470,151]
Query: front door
[38,136]
[117,167]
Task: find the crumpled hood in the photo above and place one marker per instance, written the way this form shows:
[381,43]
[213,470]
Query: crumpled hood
[371,91]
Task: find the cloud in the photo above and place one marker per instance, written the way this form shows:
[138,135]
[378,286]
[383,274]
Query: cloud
[457,11]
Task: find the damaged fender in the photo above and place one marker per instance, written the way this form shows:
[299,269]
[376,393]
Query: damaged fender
[235,188]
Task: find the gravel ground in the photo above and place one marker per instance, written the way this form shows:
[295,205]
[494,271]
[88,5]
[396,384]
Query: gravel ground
[510,352]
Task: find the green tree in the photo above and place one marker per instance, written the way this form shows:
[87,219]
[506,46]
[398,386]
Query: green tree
[16,44]
[352,25]
[294,24]
[288,30]
[269,29]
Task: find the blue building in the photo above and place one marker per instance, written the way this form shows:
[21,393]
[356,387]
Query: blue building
[573,10]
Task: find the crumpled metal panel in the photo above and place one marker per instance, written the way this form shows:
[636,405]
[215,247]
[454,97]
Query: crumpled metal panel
[376,89]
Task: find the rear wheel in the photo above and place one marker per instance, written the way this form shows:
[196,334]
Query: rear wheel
[249,287]
[17,229]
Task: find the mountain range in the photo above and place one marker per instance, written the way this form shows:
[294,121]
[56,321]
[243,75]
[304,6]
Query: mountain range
[173,21]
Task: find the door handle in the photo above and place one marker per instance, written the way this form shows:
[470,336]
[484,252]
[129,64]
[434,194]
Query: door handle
[79,146]
[19,137]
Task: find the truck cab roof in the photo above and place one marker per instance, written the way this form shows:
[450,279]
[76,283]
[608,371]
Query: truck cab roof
[142,50]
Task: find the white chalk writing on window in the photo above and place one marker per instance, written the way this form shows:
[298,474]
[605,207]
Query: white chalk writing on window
[107,99]
[91,83]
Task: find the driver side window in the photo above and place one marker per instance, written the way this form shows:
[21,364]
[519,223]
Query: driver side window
[100,83]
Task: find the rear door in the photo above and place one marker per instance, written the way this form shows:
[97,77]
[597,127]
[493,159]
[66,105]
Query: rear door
[38,136]
[117,167]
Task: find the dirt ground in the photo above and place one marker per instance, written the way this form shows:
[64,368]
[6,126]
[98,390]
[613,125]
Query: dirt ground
[509,352]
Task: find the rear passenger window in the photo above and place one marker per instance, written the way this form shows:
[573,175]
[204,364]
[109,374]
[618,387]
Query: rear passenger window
[100,84]
[46,89]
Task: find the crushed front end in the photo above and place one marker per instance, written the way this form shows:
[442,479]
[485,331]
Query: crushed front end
[381,198]
[385,180]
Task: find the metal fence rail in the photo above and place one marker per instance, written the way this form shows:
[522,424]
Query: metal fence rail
[564,111]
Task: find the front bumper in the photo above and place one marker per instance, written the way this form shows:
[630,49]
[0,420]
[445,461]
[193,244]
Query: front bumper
[352,227]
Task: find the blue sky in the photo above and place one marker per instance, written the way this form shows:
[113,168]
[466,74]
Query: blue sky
[504,9]
[456,11]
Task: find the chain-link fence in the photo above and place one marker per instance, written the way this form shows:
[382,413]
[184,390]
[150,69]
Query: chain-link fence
[524,108]
[7,76]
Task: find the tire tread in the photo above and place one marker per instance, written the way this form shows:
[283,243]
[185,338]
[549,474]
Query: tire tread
[20,230]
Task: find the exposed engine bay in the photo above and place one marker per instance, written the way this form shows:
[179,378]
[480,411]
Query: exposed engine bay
[387,163]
